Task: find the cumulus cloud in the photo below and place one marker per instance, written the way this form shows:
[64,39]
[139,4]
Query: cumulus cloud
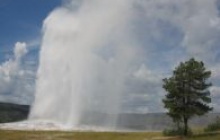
[215,91]
[14,86]
[215,94]
[182,23]
[143,92]
[202,30]
[20,50]
[148,75]
[176,31]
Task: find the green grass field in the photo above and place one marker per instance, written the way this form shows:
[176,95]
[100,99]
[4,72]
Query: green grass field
[57,135]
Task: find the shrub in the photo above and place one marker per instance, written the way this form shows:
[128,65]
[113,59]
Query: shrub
[213,126]
[176,132]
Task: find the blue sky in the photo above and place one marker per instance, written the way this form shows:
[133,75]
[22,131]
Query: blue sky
[166,32]
[22,20]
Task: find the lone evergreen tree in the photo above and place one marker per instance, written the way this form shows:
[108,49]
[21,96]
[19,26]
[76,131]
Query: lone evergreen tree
[188,93]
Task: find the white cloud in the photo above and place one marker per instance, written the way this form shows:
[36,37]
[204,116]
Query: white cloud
[215,94]
[202,31]
[141,110]
[197,21]
[215,91]
[14,86]
[144,73]
[20,50]
[215,69]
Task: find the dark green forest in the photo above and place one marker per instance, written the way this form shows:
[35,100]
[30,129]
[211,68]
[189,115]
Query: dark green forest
[13,112]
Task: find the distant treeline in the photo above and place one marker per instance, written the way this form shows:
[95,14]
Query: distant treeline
[13,112]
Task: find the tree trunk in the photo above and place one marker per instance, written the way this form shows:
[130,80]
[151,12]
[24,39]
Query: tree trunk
[185,126]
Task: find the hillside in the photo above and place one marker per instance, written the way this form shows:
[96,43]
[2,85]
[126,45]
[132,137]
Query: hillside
[13,112]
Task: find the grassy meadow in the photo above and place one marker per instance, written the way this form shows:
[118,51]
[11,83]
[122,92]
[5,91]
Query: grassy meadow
[58,135]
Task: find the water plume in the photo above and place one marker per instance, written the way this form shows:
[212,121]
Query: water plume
[86,50]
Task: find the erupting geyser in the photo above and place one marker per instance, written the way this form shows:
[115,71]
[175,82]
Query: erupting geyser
[86,50]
